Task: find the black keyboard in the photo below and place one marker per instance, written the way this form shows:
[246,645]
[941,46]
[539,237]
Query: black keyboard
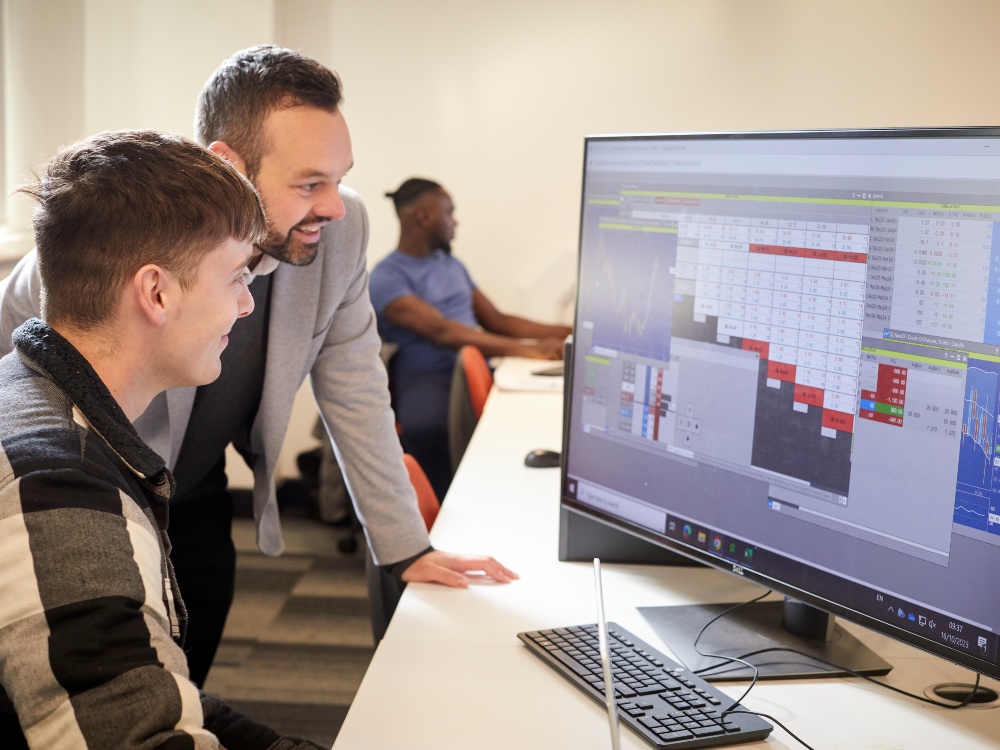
[669,706]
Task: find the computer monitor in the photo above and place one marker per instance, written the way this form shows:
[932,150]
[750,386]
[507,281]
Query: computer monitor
[786,365]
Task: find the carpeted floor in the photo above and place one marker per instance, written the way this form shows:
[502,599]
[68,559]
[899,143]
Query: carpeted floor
[298,639]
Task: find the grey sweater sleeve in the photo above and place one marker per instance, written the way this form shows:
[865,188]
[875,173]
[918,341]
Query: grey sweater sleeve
[20,299]
[351,389]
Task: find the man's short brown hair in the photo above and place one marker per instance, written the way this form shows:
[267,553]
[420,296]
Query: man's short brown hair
[114,202]
[250,85]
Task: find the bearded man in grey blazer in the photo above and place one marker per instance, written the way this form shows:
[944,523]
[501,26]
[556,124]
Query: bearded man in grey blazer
[275,115]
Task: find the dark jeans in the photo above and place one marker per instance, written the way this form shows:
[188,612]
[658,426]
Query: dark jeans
[420,401]
[204,559]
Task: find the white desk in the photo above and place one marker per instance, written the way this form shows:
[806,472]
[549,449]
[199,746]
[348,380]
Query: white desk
[451,674]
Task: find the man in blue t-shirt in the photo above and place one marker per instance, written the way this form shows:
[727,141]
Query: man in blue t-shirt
[429,307]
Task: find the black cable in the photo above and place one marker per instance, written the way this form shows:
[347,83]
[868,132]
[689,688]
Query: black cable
[851,672]
[722,614]
[771,718]
[728,659]
[741,660]
[743,657]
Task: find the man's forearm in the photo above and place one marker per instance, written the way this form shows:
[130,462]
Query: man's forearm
[512,325]
[454,335]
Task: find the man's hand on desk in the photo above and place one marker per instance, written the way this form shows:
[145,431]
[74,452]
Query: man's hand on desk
[450,569]
[550,348]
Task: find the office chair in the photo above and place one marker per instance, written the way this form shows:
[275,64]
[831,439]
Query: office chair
[383,590]
[427,500]
[470,385]
[478,377]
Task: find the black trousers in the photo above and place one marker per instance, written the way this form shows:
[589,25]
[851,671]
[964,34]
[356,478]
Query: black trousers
[204,560]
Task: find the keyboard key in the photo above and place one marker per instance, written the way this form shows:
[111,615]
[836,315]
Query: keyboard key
[648,689]
[707,731]
[572,663]
[668,736]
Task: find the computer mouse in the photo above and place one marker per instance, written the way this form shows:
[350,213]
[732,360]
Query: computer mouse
[542,458]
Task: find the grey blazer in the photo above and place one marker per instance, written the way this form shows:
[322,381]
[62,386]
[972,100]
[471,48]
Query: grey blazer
[322,326]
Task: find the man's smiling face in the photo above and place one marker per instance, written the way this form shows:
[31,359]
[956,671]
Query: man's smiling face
[309,152]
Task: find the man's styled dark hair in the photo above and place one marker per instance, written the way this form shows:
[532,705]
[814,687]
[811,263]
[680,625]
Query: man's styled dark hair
[114,202]
[410,190]
[248,86]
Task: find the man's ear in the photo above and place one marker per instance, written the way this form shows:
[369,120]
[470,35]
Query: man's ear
[228,153]
[153,290]
[422,215]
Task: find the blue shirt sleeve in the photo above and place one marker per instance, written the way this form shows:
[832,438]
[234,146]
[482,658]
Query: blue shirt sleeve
[465,272]
[387,284]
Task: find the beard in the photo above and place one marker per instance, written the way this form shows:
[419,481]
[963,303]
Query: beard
[443,242]
[289,249]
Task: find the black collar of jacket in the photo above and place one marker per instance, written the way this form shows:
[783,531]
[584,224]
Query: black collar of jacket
[59,360]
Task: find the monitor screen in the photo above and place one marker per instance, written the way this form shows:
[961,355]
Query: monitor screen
[786,364]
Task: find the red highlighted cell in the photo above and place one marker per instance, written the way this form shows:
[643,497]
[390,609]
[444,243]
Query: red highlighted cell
[805,252]
[840,255]
[881,416]
[781,371]
[807,394]
[761,347]
[794,252]
[891,384]
[838,420]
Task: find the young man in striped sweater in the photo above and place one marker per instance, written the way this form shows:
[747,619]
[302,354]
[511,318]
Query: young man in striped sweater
[143,240]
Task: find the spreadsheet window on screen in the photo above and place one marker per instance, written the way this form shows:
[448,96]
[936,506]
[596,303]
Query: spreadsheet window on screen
[805,329]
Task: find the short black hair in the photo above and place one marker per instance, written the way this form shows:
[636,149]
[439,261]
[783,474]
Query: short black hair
[410,190]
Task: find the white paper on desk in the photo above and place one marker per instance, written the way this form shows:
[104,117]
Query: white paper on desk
[515,374]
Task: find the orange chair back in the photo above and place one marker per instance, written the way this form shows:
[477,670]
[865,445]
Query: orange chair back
[427,500]
[478,377]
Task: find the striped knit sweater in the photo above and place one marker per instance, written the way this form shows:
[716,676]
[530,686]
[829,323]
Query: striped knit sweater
[90,616]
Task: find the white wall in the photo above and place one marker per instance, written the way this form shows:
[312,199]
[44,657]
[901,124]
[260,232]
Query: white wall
[146,61]
[493,99]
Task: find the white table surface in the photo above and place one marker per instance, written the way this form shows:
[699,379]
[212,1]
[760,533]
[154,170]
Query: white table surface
[450,672]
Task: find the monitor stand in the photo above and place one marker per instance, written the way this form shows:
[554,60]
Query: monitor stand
[763,625]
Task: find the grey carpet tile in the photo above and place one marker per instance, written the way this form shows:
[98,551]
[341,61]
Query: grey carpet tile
[340,576]
[328,675]
[302,535]
[261,579]
[325,607]
[233,652]
[329,628]
[318,723]
[298,638]
[252,613]
[251,561]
